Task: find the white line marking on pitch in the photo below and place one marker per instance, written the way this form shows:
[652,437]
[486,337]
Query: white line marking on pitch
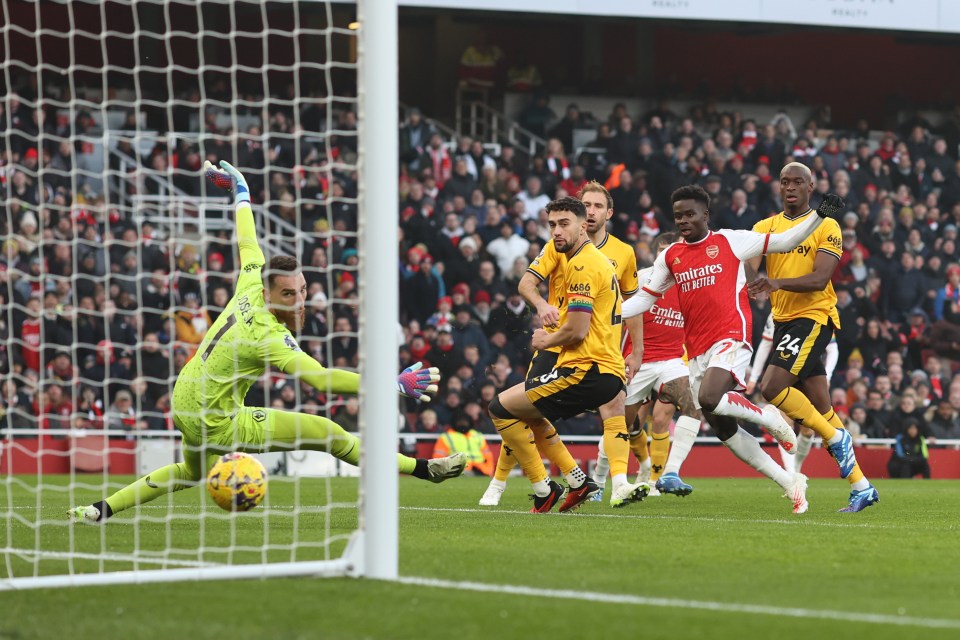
[112,557]
[676,603]
[800,521]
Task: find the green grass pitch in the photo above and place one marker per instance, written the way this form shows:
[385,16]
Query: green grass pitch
[719,564]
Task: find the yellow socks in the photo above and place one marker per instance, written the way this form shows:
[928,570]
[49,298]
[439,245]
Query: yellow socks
[638,445]
[796,405]
[505,464]
[551,446]
[518,442]
[616,443]
[659,450]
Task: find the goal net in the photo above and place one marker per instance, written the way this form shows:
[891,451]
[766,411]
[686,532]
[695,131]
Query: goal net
[118,258]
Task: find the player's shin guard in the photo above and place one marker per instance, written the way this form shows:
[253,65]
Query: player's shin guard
[164,480]
[684,435]
[796,405]
[856,476]
[659,450]
[746,447]
[616,443]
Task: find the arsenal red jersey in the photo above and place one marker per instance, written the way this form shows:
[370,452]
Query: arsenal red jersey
[711,286]
[663,331]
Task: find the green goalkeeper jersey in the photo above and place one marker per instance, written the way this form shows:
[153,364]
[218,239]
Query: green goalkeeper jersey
[241,344]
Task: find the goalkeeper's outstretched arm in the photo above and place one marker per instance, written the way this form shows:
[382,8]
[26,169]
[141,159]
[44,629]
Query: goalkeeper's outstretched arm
[228,177]
[415,381]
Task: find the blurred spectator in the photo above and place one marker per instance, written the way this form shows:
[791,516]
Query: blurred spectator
[462,437]
[944,422]
[192,322]
[121,414]
[910,455]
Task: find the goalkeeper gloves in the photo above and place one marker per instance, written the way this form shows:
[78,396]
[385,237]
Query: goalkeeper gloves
[831,204]
[417,382]
[228,178]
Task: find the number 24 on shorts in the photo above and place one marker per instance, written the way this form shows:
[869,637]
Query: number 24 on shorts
[789,345]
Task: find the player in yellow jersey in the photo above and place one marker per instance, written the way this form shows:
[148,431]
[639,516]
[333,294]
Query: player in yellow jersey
[805,316]
[589,370]
[256,329]
[552,313]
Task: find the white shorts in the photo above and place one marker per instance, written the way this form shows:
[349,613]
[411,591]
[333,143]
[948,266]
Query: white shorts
[654,375]
[729,355]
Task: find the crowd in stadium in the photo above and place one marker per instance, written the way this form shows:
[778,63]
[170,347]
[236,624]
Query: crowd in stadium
[101,313]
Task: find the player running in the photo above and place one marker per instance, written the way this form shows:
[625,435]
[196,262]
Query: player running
[805,316]
[589,369]
[663,370]
[553,313]
[761,356]
[255,330]
[708,271]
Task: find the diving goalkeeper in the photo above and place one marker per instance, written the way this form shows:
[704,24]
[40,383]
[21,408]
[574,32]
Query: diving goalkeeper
[256,330]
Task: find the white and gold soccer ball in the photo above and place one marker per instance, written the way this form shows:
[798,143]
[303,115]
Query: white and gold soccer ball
[237,482]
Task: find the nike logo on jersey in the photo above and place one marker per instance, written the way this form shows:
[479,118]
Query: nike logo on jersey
[147,482]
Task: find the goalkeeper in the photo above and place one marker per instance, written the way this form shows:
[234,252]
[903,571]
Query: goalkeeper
[255,330]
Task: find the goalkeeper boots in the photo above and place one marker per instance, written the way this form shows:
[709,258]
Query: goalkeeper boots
[440,469]
[543,504]
[85,515]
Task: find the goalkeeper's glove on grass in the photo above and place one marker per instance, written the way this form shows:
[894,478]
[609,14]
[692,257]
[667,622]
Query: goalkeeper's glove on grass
[227,177]
[417,382]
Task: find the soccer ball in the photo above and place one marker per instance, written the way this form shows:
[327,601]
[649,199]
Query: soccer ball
[237,482]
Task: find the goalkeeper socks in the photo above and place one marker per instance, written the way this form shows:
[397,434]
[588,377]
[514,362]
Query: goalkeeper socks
[160,482]
[746,447]
[659,450]
[420,468]
[796,405]
[104,509]
[616,444]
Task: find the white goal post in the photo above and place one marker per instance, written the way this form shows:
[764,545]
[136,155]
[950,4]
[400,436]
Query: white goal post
[320,60]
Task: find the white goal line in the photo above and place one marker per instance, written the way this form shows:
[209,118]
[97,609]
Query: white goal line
[112,557]
[679,603]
